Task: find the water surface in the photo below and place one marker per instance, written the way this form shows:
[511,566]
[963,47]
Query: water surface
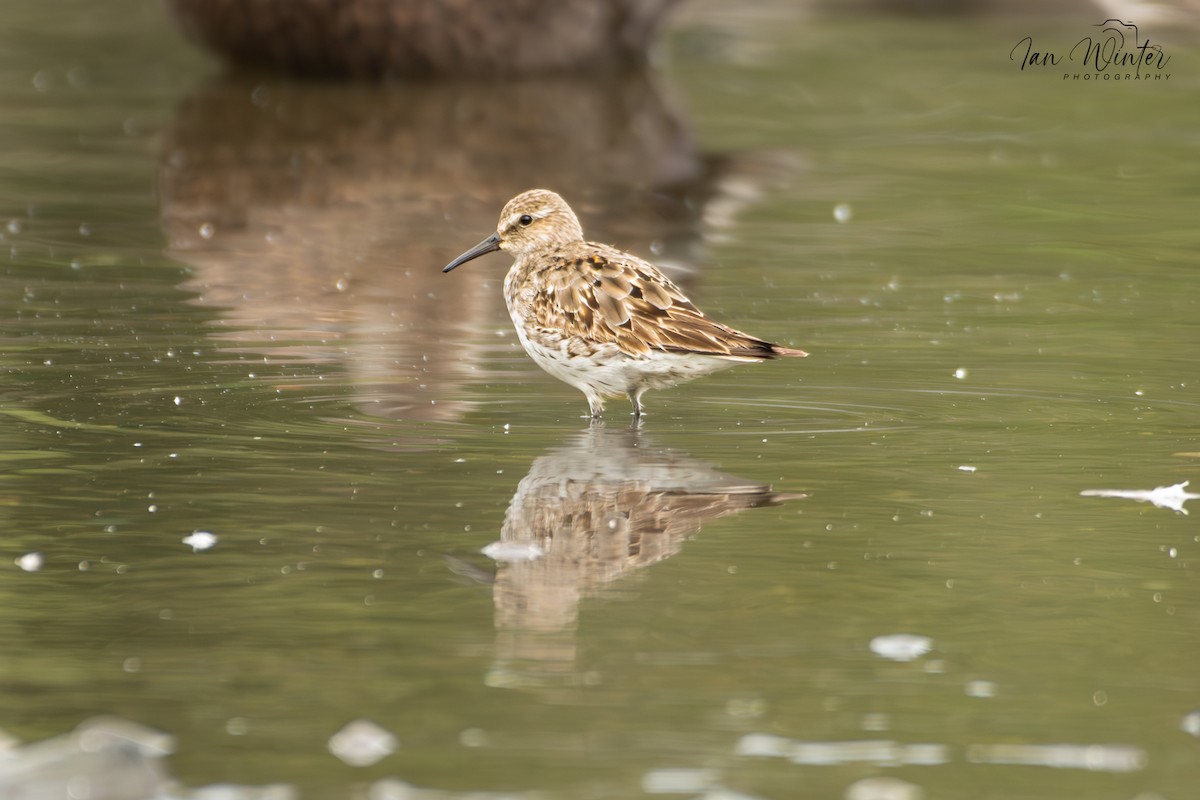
[223,312]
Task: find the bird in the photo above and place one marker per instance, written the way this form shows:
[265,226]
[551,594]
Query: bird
[600,319]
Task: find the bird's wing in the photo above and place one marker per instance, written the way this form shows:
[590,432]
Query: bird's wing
[605,296]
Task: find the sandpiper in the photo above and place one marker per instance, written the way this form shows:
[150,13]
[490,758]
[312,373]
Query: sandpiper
[602,320]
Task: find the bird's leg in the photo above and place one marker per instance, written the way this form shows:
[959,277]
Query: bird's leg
[635,397]
[596,404]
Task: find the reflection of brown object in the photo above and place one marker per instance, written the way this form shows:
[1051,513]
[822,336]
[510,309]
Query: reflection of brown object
[375,38]
[316,217]
[600,507]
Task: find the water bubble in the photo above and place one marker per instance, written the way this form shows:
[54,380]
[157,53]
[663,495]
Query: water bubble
[980,689]
[875,721]
[200,540]
[901,646]
[30,562]
[473,737]
[764,744]
[1191,723]
[678,780]
[883,787]
[362,743]
[78,77]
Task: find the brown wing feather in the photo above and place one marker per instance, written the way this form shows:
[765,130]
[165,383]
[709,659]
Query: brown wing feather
[605,296]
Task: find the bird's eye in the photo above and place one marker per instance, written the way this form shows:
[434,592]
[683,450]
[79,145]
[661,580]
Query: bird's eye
[525,220]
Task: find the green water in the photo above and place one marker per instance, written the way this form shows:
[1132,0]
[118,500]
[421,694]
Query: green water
[222,311]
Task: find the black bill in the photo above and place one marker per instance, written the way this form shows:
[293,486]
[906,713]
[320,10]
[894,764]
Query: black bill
[488,245]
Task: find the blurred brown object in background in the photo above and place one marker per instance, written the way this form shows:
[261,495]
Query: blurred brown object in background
[382,38]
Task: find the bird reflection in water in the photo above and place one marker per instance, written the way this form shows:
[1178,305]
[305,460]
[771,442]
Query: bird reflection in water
[590,512]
